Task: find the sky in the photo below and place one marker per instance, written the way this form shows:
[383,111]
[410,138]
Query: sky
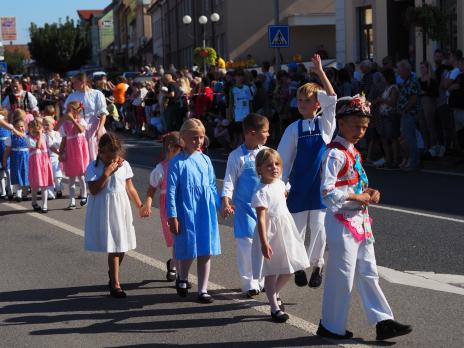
[44,11]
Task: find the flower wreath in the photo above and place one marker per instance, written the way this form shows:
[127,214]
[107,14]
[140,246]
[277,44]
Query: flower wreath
[354,105]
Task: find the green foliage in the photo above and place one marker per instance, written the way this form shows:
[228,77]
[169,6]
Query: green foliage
[60,47]
[207,55]
[15,62]
[430,20]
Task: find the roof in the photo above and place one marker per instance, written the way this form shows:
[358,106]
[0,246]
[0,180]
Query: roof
[87,14]
[24,49]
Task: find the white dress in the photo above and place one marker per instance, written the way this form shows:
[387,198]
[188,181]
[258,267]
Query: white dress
[108,219]
[289,253]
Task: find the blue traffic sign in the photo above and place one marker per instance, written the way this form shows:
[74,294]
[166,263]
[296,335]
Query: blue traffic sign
[279,36]
[3,67]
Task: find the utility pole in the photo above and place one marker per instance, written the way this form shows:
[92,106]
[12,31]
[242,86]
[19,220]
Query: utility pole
[277,50]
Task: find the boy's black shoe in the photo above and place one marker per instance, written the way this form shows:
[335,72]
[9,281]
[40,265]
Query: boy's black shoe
[315,280]
[59,194]
[300,278]
[323,332]
[252,293]
[390,328]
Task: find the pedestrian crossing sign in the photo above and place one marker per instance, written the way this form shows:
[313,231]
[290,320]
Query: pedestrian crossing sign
[278,36]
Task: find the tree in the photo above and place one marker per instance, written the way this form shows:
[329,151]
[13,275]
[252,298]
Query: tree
[59,47]
[15,60]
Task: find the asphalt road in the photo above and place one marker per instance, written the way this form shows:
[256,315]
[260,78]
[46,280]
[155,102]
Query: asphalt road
[53,293]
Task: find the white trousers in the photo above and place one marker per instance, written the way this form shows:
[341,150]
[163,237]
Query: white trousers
[315,220]
[243,250]
[350,261]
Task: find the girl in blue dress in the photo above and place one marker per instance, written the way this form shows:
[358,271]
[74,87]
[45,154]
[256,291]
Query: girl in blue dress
[5,187]
[18,151]
[191,202]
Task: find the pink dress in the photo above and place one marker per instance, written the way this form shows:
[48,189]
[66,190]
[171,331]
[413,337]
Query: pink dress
[76,156]
[158,179]
[40,166]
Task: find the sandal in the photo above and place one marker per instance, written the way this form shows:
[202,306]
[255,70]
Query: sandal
[204,297]
[279,316]
[117,293]
[181,287]
[171,273]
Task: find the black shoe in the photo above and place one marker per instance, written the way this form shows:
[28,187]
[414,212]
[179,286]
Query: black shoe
[204,297]
[252,293]
[181,287]
[300,278]
[70,207]
[18,199]
[83,202]
[36,207]
[323,332]
[279,316]
[117,293]
[171,273]
[3,197]
[390,328]
[59,194]
[44,210]
[315,280]
[10,197]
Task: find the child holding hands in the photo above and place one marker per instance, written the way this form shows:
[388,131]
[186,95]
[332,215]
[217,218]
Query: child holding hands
[191,202]
[158,180]
[108,219]
[240,183]
[278,249]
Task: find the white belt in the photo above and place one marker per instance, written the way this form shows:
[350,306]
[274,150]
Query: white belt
[19,149]
[34,152]
[75,136]
[3,138]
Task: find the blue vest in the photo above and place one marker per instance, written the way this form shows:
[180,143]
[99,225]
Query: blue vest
[245,187]
[305,177]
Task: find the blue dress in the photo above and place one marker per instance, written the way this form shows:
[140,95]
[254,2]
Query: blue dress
[19,161]
[4,134]
[191,196]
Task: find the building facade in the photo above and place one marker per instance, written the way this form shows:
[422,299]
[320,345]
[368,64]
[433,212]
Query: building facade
[242,29]
[373,29]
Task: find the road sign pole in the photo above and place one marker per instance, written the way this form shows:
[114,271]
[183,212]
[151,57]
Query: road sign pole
[277,50]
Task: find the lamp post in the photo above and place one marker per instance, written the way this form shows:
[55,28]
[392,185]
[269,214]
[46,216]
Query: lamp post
[203,20]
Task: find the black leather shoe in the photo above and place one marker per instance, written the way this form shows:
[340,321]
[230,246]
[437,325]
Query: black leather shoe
[279,316]
[390,328]
[171,272]
[300,278]
[252,293]
[315,280]
[323,332]
[181,287]
[117,293]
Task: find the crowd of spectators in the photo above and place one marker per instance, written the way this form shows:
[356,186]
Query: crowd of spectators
[415,114]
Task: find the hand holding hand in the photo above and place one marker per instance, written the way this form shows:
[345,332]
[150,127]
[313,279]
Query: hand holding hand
[144,211]
[227,210]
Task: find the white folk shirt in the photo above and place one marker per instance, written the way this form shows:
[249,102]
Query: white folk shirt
[93,100]
[31,101]
[289,142]
[235,164]
[335,198]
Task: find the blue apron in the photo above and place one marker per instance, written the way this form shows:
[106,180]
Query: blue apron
[4,134]
[305,177]
[19,163]
[245,187]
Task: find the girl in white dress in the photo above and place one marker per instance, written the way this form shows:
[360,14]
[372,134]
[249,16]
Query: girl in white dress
[108,220]
[278,250]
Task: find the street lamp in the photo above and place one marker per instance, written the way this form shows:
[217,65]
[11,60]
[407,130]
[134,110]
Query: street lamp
[203,20]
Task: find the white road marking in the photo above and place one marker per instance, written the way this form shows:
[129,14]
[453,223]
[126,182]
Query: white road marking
[297,322]
[397,277]
[412,212]
[442,278]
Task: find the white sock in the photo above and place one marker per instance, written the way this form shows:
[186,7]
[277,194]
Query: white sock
[44,198]
[82,186]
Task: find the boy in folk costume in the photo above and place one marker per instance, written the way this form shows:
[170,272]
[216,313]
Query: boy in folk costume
[351,256]
[301,150]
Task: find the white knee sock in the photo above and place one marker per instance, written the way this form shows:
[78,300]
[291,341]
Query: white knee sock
[72,190]
[82,186]
[44,198]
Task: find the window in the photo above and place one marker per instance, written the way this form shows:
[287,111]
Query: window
[366,33]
